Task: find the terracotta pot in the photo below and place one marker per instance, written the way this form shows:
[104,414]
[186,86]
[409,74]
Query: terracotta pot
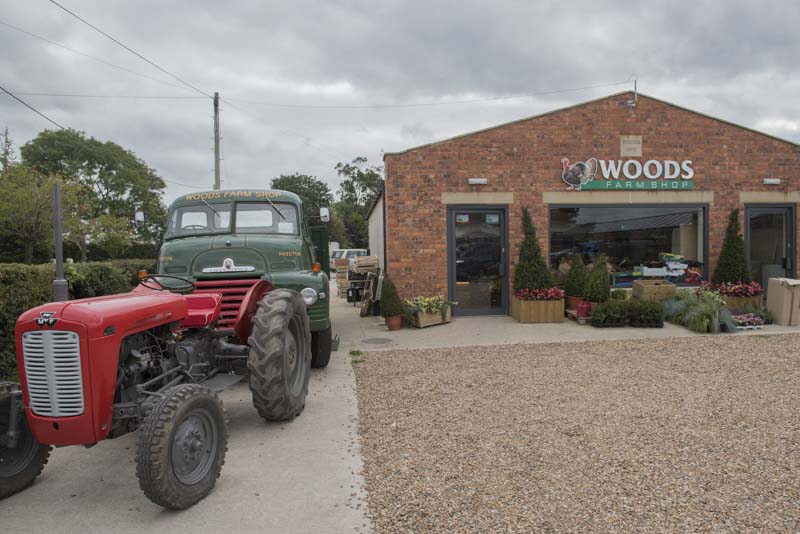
[395,322]
[572,302]
[584,309]
[592,306]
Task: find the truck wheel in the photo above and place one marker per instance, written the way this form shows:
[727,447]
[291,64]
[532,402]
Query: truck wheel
[21,464]
[280,355]
[320,348]
[181,446]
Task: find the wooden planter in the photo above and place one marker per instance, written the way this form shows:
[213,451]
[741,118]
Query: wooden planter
[537,311]
[740,303]
[422,320]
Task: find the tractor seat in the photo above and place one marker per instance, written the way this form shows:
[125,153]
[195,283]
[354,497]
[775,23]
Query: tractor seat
[203,310]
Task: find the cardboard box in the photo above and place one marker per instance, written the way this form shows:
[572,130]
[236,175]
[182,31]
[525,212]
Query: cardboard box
[783,300]
[657,290]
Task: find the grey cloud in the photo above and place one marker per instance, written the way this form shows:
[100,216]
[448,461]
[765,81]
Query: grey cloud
[733,59]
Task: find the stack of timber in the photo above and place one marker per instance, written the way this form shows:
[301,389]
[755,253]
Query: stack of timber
[366,264]
[342,266]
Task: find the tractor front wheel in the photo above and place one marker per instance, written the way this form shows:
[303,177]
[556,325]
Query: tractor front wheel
[280,355]
[181,446]
[21,463]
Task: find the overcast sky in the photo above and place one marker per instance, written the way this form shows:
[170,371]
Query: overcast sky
[737,60]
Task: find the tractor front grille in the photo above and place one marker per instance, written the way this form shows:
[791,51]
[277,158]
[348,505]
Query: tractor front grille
[232,291]
[53,371]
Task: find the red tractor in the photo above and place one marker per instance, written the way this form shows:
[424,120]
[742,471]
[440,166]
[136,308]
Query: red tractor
[153,360]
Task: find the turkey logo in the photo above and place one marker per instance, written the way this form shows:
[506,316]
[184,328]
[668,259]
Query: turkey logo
[579,173]
[46,319]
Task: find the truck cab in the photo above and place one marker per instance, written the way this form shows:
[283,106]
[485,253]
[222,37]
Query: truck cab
[226,241]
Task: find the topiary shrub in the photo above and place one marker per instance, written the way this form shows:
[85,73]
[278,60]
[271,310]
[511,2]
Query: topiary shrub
[598,284]
[732,263]
[575,285]
[532,271]
[619,294]
[391,305]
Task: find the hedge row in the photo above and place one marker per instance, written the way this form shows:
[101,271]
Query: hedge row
[25,286]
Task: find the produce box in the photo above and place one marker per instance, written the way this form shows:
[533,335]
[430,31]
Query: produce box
[657,290]
[783,301]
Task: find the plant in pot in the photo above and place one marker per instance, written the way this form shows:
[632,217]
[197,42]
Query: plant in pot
[392,308]
[576,283]
[428,311]
[646,314]
[732,263]
[613,313]
[535,299]
[598,284]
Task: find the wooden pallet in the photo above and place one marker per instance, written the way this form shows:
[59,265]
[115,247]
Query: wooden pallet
[573,314]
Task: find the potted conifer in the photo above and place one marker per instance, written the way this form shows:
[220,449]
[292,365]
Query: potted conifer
[392,308]
[575,284]
[598,284]
[731,276]
[535,298]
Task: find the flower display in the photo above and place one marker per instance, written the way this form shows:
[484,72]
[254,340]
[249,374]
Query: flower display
[748,319]
[552,293]
[738,289]
[428,304]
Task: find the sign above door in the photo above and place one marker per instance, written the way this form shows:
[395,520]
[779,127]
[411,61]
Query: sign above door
[628,174]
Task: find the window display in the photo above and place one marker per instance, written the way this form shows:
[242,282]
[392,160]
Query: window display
[638,241]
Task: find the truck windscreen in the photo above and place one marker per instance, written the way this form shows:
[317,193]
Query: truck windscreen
[261,218]
[199,219]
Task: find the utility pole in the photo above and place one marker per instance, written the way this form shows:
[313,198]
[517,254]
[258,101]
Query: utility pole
[60,289]
[216,141]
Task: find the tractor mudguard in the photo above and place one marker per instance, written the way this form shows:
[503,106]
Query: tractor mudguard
[248,308]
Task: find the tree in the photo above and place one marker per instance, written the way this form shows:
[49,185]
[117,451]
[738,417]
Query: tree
[314,192]
[26,214]
[109,182]
[7,156]
[575,285]
[361,184]
[732,263]
[598,283]
[532,271]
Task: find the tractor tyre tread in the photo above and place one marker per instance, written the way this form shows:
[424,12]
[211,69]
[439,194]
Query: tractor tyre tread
[154,446]
[11,485]
[268,380]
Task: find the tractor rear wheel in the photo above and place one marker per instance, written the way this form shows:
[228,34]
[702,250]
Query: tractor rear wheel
[320,348]
[22,463]
[181,446]
[280,355]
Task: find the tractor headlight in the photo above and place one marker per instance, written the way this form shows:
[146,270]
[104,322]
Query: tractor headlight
[309,295]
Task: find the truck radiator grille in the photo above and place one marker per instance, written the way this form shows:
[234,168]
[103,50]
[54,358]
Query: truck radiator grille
[53,371]
[232,291]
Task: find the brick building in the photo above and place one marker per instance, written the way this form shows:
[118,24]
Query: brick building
[646,182]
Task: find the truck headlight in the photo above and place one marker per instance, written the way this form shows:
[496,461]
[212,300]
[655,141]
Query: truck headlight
[309,295]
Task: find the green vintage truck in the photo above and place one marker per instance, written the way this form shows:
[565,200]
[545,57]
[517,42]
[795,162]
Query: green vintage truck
[226,241]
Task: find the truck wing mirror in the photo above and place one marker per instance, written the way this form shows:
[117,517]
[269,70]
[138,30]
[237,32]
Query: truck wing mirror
[138,218]
[324,215]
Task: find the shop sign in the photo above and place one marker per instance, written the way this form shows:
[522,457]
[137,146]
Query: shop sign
[628,175]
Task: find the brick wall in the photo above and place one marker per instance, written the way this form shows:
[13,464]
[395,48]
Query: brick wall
[524,158]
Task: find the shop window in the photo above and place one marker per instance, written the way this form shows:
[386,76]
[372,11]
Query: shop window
[638,241]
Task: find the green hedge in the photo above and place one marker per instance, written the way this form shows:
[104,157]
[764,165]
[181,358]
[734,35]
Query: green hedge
[25,286]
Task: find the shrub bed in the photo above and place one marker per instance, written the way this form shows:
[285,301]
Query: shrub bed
[25,286]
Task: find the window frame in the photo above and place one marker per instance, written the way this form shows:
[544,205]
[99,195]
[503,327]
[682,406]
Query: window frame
[174,213]
[702,206]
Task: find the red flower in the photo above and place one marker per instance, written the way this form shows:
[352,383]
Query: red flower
[552,293]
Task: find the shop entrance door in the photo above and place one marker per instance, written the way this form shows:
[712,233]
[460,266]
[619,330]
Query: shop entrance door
[477,259]
[769,233]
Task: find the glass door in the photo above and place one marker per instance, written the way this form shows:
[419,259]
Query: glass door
[477,260]
[770,239]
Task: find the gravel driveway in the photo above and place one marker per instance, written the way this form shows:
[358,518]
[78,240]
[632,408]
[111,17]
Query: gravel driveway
[678,435]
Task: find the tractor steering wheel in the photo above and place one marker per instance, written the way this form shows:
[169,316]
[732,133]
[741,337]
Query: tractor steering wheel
[187,286]
[194,227]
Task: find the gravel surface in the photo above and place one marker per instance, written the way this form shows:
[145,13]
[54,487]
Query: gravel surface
[667,435]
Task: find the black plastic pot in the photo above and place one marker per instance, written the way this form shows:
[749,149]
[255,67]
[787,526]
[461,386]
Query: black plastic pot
[659,324]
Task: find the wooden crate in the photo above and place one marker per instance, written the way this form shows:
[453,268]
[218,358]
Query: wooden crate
[656,290]
[422,320]
[366,264]
[740,303]
[537,311]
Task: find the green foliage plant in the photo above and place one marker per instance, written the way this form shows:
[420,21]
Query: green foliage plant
[391,305]
[732,263]
[532,271]
[575,285]
[598,284]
